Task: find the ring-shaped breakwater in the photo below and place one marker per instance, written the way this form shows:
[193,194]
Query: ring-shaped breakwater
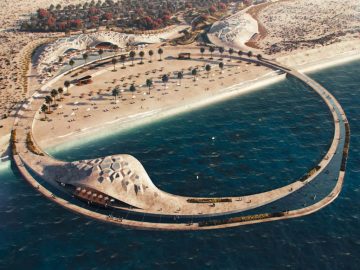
[167,211]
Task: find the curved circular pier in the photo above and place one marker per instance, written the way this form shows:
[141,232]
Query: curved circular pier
[118,190]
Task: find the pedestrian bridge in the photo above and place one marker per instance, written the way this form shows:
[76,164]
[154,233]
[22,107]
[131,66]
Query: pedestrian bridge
[120,185]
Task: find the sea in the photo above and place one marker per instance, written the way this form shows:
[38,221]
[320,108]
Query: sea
[251,143]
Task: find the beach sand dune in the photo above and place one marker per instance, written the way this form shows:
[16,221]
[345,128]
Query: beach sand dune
[302,24]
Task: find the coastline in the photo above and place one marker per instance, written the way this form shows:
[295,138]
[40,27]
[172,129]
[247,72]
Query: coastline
[130,122]
[323,57]
[339,119]
[340,59]
[303,61]
[101,131]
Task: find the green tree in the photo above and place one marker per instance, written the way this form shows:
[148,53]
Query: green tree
[211,50]
[165,80]
[141,54]
[67,85]
[48,101]
[115,48]
[149,84]
[194,73]
[250,54]
[123,59]
[221,51]
[132,56]
[180,76]
[132,88]
[85,57]
[231,51]
[44,109]
[114,61]
[115,93]
[160,52]
[221,66]
[151,53]
[71,63]
[208,69]
[60,91]
[100,52]
[202,51]
[54,94]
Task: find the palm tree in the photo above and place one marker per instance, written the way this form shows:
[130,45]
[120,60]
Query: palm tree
[231,51]
[85,57]
[115,49]
[221,51]
[194,73]
[44,109]
[48,100]
[221,66]
[151,53]
[53,94]
[250,54]
[60,91]
[114,61]
[100,52]
[132,55]
[202,50]
[61,59]
[180,76]
[208,69]
[165,80]
[71,63]
[211,50]
[141,54]
[259,57]
[122,59]
[160,52]
[149,84]
[240,54]
[67,84]
[115,92]
[132,88]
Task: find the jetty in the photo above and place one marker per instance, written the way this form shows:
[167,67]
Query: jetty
[119,184]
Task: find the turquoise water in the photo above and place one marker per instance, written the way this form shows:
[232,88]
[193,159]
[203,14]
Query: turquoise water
[262,140]
[249,144]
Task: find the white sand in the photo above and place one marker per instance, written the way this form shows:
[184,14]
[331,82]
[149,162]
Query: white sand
[305,23]
[234,31]
[289,23]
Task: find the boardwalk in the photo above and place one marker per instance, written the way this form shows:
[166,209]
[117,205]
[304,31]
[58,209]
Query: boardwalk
[136,202]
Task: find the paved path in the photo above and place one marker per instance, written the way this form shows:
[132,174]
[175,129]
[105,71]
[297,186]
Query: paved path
[141,204]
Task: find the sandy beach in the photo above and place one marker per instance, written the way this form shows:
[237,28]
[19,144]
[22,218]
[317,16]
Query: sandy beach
[129,116]
[307,49]
[100,109]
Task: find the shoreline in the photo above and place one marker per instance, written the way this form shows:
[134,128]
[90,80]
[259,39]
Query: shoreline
[24,158]
[149,117]
[90,134]
[331,61]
